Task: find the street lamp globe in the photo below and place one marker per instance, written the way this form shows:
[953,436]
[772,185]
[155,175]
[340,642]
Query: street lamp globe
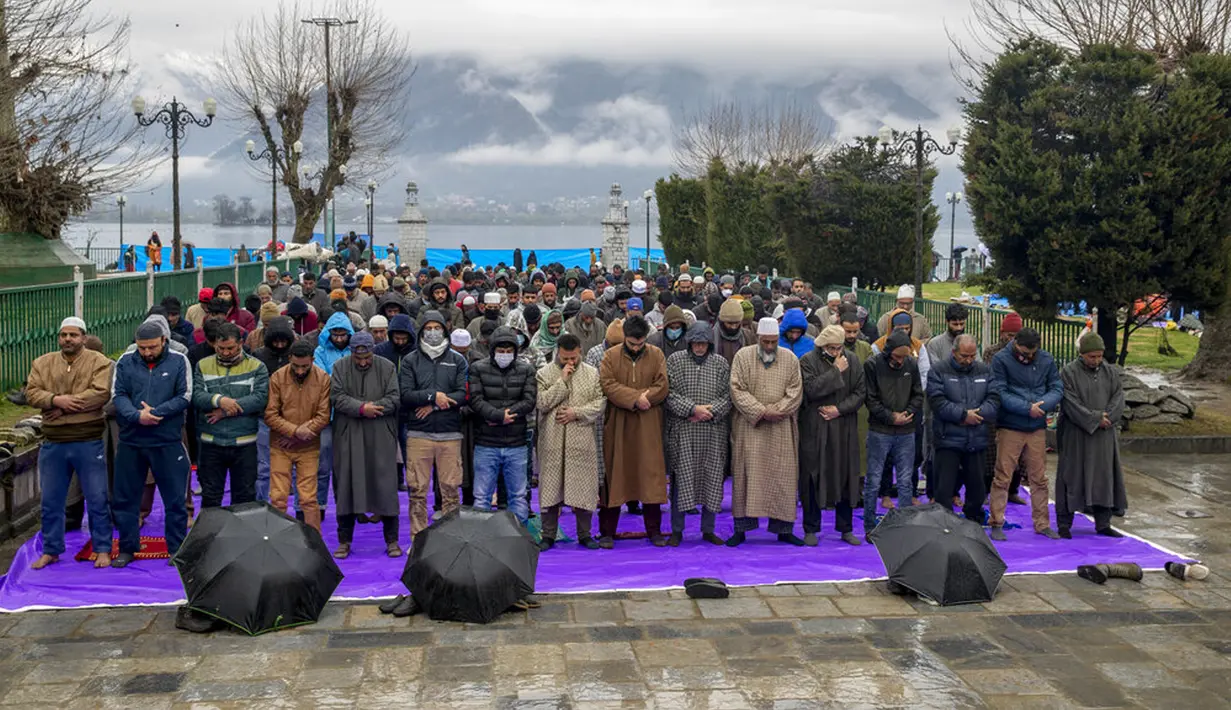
[121,200]
[885,134]
[211,108]
[297,147]
[648,194]
[250,147]
[138,105]
[367,202]
[957,197]
[954,134]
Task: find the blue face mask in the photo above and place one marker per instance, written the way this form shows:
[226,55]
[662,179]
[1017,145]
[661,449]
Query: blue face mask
[674,333]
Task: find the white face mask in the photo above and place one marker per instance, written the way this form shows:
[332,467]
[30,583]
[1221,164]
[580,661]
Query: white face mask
[503,360]
[726,293]
[433,337]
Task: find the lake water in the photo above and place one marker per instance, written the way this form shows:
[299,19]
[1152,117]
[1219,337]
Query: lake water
[440,236]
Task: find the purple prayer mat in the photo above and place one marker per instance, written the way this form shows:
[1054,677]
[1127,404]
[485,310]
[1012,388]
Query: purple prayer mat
[568,568]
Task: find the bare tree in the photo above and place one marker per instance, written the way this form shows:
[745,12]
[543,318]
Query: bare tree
[66,134]
[273,77]
[741,134]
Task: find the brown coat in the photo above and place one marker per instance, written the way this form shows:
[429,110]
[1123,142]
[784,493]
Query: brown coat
[633,458]
[89,377]
[764,454]
[292,404]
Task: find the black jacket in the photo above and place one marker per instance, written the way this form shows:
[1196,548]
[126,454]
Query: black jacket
[420,378]
[275,359]
[890,391]
[953,390]
[493,390]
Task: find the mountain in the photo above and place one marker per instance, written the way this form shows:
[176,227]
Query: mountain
[481,136]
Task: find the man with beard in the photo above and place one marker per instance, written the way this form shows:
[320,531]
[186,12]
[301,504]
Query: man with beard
[235,314]
[634,380]
[433,389]
[1025,378]
[920,329]
[730,336]
[895,399]
[586,325]
[179,326]
[333,345]
[663,302]
[670,337]
[1088,477]
[491,312]
[708,310]
[151,389]
[71,387]
[378,326]
[229,393]
[401,343]
[436,298]
[685,297]
[275,354]
[304,323]
[852,333]
[364,394]
[1009,327]
[959,391]
[470,308]
[317,298]
[570,401]
[834,391]
[297,413]
[766,390]
[549,298]
[698,429]
[939,348]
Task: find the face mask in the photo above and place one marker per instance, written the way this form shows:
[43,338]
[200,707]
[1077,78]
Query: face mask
[503,360]
[433,337]
[726,293]
[674,333]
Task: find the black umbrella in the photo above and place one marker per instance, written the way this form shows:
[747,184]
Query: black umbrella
[471,565]
[935,553]
[256,568]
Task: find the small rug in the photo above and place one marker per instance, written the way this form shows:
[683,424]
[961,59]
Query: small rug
[152,548]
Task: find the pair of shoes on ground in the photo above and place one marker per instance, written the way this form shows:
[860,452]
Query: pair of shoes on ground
[587,542]
[401,606]
[811,539]
[739,537]
[1099,574]
[342,551]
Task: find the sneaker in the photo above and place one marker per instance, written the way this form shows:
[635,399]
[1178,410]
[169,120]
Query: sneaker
[810,540]
[1048,533]
[713,539]
[997,533]
[736,540]
[1185,572]
[589,543]
[389,606]
[408,607]
[851,539]
[675,539]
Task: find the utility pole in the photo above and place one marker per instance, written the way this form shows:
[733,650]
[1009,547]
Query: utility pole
[329,23]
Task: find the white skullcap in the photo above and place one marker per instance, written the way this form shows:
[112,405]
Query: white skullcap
[378,321]
[638,286]
[72,322]
[906,291]
[778,310]
[460,338]
[468,301]
[767,326]
[698,280]
[833,296]
[491,297]
[360,273]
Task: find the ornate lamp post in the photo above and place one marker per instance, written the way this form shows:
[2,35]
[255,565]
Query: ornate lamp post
[328,23]
[176,118]
[309,176]
[648,195]
[121,201]
[923,145]
[370,203]
[952,198]
[271,155]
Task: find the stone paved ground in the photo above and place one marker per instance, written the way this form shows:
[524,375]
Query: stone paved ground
[1045,642]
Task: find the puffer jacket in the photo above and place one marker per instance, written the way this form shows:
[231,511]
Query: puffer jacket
[493,390]
[166,385]
[326,353]
[952,391]
[246,382]
[795,318]
[1018,386]
[420,378]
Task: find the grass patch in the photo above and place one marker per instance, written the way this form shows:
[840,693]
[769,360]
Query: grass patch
[10,413]
[943,291]
[1143,349]
[1203,423]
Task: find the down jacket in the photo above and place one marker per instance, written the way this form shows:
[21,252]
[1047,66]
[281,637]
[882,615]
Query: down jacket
[952,391]
[493,390]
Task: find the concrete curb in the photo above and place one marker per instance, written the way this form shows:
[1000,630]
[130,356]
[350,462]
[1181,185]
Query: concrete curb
[1176,444]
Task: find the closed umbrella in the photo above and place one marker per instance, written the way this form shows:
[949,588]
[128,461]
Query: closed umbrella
[256,568]
[935,553]
[471,565]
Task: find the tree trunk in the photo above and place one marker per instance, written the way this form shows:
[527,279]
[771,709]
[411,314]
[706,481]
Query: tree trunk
[1107,326]
[305,222]
[1213,359]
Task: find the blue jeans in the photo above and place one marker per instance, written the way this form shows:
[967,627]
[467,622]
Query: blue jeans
[325,467]
[490,464]
[170,467]
[262,462]
[56,464]
[900,449]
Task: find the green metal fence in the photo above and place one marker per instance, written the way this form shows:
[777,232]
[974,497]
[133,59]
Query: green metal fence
[113,309]
[1059,335]
[29,326]
[181,284]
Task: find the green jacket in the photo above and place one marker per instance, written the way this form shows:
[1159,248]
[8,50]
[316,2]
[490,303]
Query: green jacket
[247,383]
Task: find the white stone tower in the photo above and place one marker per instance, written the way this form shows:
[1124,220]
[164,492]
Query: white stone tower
[615,230]
[412,229]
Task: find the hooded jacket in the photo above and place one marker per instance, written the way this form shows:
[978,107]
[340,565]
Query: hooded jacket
[400,323]
[493,390]
[274,358]
[183,329]
[448,310]
[673,317]
[421,377]
[795,318]
[165,384]
[326,353]
[892,390]
[237,315]
[392,298]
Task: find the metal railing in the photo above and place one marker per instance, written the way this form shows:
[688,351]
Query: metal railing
[30,326]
